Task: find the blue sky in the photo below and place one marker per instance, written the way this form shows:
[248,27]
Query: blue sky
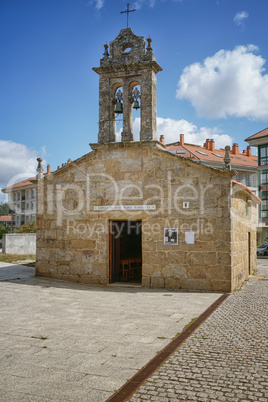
[214,82]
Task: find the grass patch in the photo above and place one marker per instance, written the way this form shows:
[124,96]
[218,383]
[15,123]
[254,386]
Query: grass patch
[189,323]
[11,258]
[39,337]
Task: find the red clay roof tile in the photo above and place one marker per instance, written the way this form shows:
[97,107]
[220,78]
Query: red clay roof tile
[262,133]
[201,153]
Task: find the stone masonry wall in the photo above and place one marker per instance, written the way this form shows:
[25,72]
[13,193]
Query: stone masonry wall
[73,239]
[244,253]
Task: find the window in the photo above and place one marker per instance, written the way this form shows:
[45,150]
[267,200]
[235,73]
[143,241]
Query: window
[15,196]
[264,195]
[238,178]
[219,156]
[33,206]
[33,218]
[33,193]
[27,206]
[18,196]
[263,192]
[27,195]
[250,180]
[263,155]
[263,178]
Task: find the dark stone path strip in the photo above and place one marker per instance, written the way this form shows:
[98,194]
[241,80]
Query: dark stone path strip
[135,382]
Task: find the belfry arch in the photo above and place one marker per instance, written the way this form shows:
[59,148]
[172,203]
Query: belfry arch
[129,63]
[136,105]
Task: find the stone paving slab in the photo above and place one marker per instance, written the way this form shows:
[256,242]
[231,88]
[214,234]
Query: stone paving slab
[225,359]
[62,341]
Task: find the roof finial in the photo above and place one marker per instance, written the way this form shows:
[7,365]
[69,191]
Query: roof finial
[40,170]
[149,47]
[127,12]
[227,158]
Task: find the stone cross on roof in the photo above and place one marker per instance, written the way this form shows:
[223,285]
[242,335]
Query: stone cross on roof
[127,12]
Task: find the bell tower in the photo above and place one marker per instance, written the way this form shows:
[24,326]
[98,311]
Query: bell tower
[129,63]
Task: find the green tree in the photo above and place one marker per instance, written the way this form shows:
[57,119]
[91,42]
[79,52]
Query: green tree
[2,230]
[4,209]
[29,227]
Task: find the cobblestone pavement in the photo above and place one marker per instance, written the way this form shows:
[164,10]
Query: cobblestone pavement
[225,359]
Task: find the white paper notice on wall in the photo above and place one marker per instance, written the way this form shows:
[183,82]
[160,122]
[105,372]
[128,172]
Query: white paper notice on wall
[189,237]
[186,204]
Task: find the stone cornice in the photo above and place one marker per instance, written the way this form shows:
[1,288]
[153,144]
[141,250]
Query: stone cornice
[126,144]
[146,65]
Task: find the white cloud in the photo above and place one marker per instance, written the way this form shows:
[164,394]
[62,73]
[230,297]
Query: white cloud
[3,197]
[240,17]
[229,83]
[139,3]
[17,162]
[172,129]
[99,4]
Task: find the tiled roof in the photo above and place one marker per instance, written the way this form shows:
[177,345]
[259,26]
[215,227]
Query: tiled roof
[5,218]
[22,183]
[248,190]
[196,152]
[262,133]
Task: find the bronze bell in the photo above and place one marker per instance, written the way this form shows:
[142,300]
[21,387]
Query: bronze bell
[119,108]
[136,105]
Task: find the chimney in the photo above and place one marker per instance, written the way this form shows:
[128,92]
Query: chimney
[244,151]
[48,169]
[212,145]
[235,149]
[248,150]
[207,144]
[182,139]
[162,139]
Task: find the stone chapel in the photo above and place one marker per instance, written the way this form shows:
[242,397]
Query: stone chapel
[132,212]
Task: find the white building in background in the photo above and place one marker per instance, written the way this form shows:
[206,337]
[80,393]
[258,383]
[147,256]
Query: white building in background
[243,162]
[22,201]
[260,140]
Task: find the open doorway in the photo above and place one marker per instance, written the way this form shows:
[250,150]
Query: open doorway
[125,251]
